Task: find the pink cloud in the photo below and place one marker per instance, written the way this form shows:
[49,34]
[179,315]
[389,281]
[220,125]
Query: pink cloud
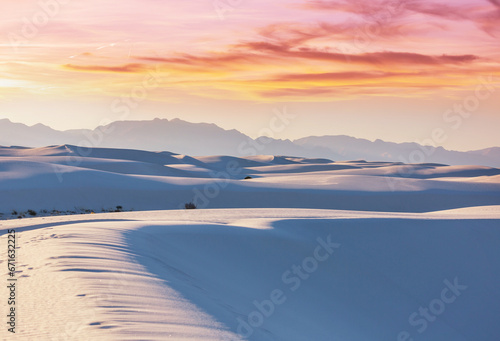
[386,57]
[483,15]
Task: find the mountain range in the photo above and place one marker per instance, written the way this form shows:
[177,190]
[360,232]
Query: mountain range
[209,139]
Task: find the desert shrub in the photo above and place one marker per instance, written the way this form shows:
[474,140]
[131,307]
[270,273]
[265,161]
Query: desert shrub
[119,209]
[31,213]
[248,178]
[190,206]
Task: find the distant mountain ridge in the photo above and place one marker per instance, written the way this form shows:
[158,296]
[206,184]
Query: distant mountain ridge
[200,139]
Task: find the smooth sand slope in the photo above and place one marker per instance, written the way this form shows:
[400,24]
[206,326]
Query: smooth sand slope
[196,275]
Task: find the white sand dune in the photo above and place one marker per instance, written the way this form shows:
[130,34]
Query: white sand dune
[195,275]
[307,249]
[72,178]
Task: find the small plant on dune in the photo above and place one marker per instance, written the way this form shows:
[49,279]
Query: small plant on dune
[190,206]
[32,213]
[119,209]
[14,212]
[248,178]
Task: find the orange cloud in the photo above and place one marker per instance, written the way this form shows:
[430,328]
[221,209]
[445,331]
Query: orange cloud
[339,76]
[292,92]
[225,59]
[127,68]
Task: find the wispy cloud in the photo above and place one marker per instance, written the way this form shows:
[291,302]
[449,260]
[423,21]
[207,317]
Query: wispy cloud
[375,58]
[483,13]
[340,76]
[313,46]
[127,68]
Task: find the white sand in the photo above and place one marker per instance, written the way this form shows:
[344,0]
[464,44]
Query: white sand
[191,274]
[197,274]
[58,178]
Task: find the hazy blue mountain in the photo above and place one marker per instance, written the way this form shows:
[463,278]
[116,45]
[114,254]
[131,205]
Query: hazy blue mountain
[18,134]
[350,148]
[199,139]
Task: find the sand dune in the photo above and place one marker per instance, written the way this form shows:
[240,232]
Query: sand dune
[70,178]
[303,249]
[201,275]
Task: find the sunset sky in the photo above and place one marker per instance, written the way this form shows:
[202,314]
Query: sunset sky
[396,70]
